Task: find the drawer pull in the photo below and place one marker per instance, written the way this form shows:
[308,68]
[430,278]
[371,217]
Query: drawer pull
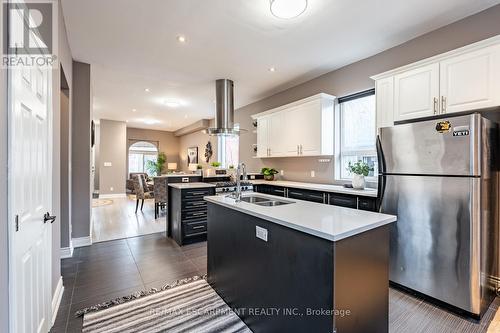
[197,203]
[199,227]
[296,193]
[197,193]
[279,191]
[198,214]
[316,196]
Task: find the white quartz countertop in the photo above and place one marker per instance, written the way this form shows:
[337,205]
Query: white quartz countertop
[184,186]
[180,175]
[326,221]
[367,192]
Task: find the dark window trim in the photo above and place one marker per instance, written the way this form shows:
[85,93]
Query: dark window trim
[357,95]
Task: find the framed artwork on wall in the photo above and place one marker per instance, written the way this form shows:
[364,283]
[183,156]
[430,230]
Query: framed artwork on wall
[192,153]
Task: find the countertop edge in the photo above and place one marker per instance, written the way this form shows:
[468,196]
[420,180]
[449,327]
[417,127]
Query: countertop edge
[309,231]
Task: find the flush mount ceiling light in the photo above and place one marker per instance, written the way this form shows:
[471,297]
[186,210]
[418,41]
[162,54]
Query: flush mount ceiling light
[172,103]
[181,39]
[151,121]
[133,110]
[272,69]
[287,9]
[147,90]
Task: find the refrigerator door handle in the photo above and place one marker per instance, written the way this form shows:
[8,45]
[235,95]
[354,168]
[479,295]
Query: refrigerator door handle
[381,171]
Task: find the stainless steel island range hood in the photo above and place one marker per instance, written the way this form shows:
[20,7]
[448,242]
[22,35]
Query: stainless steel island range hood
[224,109]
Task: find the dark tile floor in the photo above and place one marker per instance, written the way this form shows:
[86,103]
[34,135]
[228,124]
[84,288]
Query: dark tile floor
[112,269]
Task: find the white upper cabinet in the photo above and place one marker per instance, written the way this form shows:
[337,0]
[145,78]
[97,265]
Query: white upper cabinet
[263,136]
[461,80]
[471,81]
[302,128]
[384,89]
[416,92]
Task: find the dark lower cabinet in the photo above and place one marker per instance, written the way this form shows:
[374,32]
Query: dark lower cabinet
[307,195]
[348,201]
[337,199]
[188,214]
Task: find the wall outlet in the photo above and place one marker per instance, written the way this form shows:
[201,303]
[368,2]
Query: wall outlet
[313,174]
[252,177]
[261,233]
[282,172]
[108,164]
[111,189]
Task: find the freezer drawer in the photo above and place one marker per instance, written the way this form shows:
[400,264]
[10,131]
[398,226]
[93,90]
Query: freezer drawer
[446,146]
[435,244]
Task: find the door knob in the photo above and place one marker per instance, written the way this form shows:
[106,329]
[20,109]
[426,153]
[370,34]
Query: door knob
[48,217]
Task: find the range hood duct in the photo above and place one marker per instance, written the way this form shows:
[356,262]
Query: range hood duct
[224,109]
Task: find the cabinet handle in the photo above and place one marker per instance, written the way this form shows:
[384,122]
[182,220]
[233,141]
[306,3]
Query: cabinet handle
[198,193]
[443,104]
[199,227]
[435,105]
[295,193]
[297,149]
[301,150]
[317,196]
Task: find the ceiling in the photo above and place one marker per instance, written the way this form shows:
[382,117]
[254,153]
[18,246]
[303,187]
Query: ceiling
[132,45]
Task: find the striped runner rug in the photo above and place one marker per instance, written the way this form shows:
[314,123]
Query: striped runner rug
[188,305]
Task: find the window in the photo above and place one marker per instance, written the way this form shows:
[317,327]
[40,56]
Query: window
[139,154]
[358,132]
[229,149]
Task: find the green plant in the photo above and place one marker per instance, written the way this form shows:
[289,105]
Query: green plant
[199,167]
[155,167]
[231,166]
[216,164]
[269,171]
[359,168]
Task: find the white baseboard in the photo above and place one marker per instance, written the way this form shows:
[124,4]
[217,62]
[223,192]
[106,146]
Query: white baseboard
[56,299]
[67,252]
[81,241]
[112,196]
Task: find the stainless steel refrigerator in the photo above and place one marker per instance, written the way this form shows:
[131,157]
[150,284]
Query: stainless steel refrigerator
[440,178]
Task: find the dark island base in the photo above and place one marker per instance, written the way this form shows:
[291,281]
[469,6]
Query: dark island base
[296,282]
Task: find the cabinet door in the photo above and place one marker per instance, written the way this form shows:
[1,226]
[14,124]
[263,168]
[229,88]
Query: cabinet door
[384,90]
[310,138]
[416,92]
[263,137]
[471,81]
[293,131]
[277,130]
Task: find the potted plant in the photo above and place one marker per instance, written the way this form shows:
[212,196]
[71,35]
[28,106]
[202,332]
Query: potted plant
[269,173]
[359,171]
[216,164]
[155,167]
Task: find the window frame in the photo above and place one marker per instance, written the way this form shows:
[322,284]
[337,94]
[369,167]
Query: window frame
[359,151]
[221,148]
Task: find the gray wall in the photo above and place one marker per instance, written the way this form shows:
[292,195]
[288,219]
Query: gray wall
[81,151]
[4,265]
[356,77]
[65,169]
[113,149]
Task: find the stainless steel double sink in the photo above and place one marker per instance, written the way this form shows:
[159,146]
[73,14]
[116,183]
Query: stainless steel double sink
[264,201]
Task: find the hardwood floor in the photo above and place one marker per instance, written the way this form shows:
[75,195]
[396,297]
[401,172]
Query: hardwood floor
[119,220]
[108,270]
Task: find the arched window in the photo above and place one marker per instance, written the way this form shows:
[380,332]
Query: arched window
[139,154]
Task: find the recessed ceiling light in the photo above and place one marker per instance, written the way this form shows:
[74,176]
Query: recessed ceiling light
[133,110]
[287,9]
[147,90]
[126,121]
[186,116]
[181,39]
[272,69]
[172,103]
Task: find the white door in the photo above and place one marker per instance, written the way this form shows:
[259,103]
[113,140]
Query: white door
[276,134]
[471,81]
[263,137]
[30,190]
[416,93]
[384,89]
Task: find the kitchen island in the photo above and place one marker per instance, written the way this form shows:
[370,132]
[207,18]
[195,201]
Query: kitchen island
[298,266]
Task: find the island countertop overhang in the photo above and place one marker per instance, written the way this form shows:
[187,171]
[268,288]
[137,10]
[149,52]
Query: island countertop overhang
[325,221]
